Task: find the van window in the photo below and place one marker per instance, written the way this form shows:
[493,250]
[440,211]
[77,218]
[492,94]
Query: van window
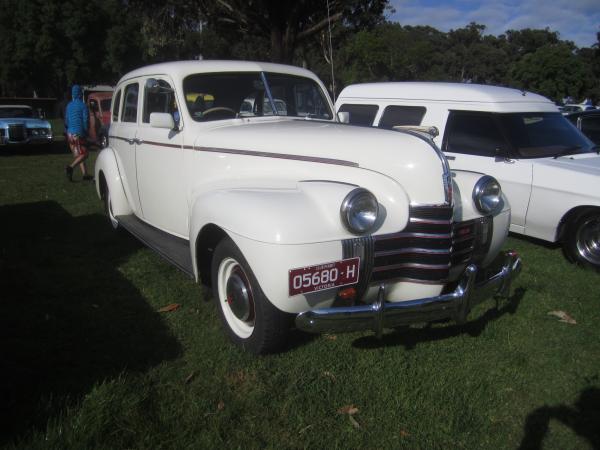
[115,111]
[474,134]
[360,114]
[130,101]
[401,115]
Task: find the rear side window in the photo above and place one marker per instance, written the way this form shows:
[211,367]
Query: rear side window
[401,115]
[115,111]
[130,102]
[474,134]
[360,114]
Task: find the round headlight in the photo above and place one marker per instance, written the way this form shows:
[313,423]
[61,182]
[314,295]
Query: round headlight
[487,194]
[359,211]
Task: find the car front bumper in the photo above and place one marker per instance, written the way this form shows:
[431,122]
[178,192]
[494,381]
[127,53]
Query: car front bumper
[381,314]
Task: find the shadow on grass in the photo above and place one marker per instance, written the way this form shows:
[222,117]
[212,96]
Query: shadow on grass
[54,148]
[410,337]
[68,318]
[583,419]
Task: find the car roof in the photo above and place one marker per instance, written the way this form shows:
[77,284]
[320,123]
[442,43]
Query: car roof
[486,97]
[181,69]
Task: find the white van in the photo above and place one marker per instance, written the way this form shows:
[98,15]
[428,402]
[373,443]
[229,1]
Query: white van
[549,171]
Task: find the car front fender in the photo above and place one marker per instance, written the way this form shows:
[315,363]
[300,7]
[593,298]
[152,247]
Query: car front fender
[106,169]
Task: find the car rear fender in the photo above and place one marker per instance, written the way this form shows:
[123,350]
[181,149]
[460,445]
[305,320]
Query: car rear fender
[106,169]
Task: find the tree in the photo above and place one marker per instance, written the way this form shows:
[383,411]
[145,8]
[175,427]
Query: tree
[553,70]
[286,24]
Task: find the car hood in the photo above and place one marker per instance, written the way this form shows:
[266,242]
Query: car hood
[577,174]
[578,164]
[400,156]
[29,123]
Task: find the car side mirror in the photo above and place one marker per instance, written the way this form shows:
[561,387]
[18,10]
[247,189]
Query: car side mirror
[343,116]
[162,120]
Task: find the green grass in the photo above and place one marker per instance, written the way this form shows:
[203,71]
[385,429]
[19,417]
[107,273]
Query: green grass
[88,362]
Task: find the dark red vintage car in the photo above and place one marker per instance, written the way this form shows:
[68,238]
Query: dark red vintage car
[99,111]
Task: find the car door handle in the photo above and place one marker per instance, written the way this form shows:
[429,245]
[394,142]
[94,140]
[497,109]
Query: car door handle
[130,141]
[450,158]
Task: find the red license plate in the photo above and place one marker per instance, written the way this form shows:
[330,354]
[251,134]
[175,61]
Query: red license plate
[324,276]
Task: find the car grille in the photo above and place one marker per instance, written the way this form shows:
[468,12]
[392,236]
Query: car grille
[425,251]
[16,133]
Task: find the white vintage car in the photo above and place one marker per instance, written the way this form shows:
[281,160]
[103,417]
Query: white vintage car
[549,171]
[288,214]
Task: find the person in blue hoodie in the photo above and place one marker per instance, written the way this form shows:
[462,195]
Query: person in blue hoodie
[76,123]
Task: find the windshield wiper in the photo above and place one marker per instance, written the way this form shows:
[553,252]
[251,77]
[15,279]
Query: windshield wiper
[567,150]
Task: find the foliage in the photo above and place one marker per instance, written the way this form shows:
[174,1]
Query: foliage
[48,45]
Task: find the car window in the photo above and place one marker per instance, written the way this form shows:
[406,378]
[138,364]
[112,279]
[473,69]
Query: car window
[217,96]
[474,134]
[539,135]
[105,105]
[158,100]
[362,115]
[401,115]
[591,127]
[130,102]
[116,103]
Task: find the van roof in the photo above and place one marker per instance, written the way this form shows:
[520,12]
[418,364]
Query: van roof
[461,93]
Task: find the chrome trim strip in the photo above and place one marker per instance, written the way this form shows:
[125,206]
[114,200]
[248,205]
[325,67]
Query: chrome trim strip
[413,235]
[431,221]
[414,250]
[412,266]
[337,162]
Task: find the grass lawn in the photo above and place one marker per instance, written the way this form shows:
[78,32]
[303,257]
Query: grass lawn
[87,361]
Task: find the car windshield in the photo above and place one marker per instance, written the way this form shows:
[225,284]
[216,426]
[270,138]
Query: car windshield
[217,96]
[15,111]
[539,135]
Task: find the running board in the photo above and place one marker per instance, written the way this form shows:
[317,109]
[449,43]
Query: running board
[172,248]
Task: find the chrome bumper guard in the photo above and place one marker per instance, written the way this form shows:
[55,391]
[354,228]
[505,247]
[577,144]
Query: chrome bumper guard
[381,314]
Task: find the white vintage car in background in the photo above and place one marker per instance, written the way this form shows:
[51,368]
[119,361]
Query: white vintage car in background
[288,214]
[549,171]
[19,125]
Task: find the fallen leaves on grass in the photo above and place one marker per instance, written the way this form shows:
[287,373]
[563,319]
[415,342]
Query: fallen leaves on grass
[221,405]
[328,374]
[350,410]
[563,316]
[330,337]
[404,433]
[170,308]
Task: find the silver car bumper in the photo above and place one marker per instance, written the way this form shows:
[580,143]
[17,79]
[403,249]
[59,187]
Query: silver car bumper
[381,314]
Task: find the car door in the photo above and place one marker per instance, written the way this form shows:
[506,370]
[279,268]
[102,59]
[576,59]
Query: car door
[474,141]
[159,154]
[123,132]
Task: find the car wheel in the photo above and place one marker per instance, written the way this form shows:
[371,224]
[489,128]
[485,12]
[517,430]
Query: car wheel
[583,241]
[250,319]
[108,206]
[103,141]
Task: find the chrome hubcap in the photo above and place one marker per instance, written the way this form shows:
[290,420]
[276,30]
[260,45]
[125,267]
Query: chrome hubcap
[238,294]
[235,298]
[588,240]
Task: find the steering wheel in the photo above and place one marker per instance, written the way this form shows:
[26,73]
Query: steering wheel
[219,109]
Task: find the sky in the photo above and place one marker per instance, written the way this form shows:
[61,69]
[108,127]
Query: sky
[575,20]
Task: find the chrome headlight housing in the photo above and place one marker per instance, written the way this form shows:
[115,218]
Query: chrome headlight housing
[359,211]
[487,194]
